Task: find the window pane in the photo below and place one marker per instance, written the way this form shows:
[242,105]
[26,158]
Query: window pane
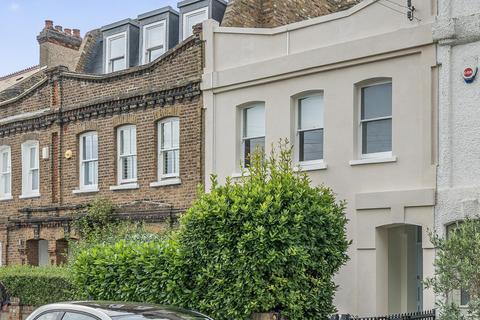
[311,145]
[94,146]
[169,162]
[377,101]
[6,184]
[48,316]
[128,167]
[250,146]
[154,54]
[464,297]
[34,175]
[155,36]
[76,316]
[193,20]
[377,136]
[5,161]
[33,157]
[311,112]
[117,47]
[254,122]
[175,133]
[166,135]
[118,64]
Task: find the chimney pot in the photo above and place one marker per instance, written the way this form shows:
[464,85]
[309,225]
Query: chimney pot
[68,31]
[58,28]
[76,33]
[48,24]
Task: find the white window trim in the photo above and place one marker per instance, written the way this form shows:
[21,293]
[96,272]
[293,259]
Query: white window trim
[191,13]
[107,55]
[167,182]
[144,46]
[5,148]
[29,193]
[83,187]
[120,180]
[310,165]
[242,129]
[387,155]
[126,186]
[161,175]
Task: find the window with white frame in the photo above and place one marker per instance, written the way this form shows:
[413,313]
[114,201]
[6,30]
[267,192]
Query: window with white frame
[376,120]
[253,131]
[30,169]
[127,154]
[116,57]
[89,161]
[153,41]
[310,128]
[190,19]
[169,148]
[6,172]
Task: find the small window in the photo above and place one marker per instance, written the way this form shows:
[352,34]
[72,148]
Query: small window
[89,161]
[6,172]
[30,169]
[191,19]
[169,148]
[376,120]
[153,41]
[310,128]
[253,131]
[116,52]
[127,154]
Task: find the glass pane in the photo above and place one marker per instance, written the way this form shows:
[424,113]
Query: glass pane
[128,167]
[311,112]
[192,20]
[5,161]
[35,179]
[177,161]
[175,133]
[122,141]
[154,54]
[166,135]
[252,145]
[464,297]
[377,101]
[118,64]
[169,162]
[117,47]
[133,141]
[6,184]
[377,136]
[254,122]
[48,316]
[77,316]
[33,157]
[155,36]
[88,147]
[311,145]
[94,146]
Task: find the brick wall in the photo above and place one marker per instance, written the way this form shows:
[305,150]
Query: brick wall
[78,103]
[274,13]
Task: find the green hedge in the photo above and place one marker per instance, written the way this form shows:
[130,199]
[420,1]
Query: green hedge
[36,286]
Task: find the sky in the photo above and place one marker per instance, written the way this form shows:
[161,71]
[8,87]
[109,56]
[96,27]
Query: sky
[22,20]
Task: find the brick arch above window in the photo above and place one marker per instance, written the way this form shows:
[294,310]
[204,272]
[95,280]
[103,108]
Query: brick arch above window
[86,127]
[29,137]
[167,112]
[127,119]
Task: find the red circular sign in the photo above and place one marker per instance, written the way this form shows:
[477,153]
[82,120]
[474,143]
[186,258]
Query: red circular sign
[468,72]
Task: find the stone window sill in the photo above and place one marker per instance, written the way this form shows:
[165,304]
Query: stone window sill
[29,196]
[127,186]
[166,182]
[6,198]
[373,161]
[246,173]
[312,165]
[82,191]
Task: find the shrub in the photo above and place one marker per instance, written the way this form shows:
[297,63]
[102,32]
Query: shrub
[457,268]
[36,286]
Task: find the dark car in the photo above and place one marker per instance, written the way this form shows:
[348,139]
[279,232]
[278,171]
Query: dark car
[96,310]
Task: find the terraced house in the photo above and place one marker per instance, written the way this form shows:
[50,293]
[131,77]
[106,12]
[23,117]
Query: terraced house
[117,114]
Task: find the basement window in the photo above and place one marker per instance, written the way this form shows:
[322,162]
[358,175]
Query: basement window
[116,52]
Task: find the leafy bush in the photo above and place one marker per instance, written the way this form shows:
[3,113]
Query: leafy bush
[268,242]
[36,286]
[457,268]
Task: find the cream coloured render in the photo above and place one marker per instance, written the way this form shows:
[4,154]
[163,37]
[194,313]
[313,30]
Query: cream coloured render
[336,54]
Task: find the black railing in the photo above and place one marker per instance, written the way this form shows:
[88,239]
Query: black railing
[422,315]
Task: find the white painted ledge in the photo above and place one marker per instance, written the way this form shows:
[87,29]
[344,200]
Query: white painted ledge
[28,196]
[6,198]
[166,182]
[236,175]
[81,191]
[312,165]
[127,186]
[373,161]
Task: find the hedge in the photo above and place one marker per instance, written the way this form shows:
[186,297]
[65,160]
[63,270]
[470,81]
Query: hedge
[36,286]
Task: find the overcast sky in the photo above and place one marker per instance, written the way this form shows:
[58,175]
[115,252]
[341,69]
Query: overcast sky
[22,20]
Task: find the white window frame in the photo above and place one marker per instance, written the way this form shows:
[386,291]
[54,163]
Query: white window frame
[120,156]
[107,53]
[243,137]
[8,150]
[27,188]
[144,46]
[186,33]
[161,174]
[83,162]
[374,155]
[298,130]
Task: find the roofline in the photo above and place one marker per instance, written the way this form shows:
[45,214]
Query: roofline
[17,73]
[118,24]
[188,2]
[157,12]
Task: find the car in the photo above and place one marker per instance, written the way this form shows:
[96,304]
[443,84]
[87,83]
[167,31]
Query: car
[105,310]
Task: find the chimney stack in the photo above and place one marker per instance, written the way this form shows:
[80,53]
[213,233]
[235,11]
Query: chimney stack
[59,28]
[68,31]
[76,33]
[48,24]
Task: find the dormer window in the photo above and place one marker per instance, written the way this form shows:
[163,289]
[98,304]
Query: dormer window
[193,18]
[153,41]
[116,52]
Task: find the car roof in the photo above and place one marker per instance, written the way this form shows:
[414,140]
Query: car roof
[122,310]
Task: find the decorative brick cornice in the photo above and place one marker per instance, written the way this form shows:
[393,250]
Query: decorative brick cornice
[104,109]
[60,38]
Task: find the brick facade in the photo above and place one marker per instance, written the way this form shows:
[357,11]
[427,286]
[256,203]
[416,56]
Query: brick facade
[274,13]
[61,106]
